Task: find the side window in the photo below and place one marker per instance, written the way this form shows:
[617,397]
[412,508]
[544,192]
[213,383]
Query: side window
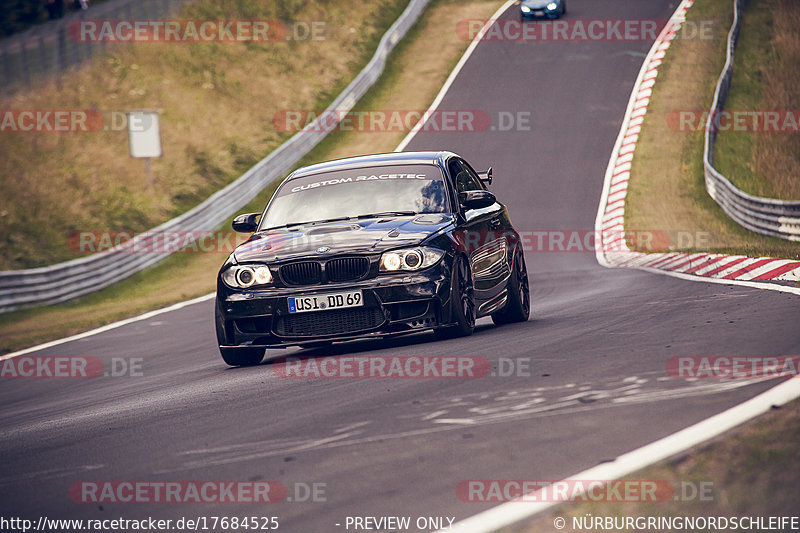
[464,177]
[475,183]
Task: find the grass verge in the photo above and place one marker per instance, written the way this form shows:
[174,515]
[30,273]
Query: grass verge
[407,83]
[750,471]
[766,78]
[667,191]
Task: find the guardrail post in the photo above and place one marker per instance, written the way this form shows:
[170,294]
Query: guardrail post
[61,53]
[24,63]
[42,70]
[6,66]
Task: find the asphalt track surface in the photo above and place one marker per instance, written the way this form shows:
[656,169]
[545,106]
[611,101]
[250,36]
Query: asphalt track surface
[597,347]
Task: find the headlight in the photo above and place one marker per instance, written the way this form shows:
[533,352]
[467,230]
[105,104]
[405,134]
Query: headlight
[410,259]
[552,6]
[525,9]
[241,277]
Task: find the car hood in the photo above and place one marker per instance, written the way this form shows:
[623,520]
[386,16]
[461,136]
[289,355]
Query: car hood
[536,4]
[322,240]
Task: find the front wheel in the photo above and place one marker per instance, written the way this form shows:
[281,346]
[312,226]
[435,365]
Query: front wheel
[518,306]
[242,356]
[462,302]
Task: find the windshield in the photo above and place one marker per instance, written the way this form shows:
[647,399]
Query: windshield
[343,194]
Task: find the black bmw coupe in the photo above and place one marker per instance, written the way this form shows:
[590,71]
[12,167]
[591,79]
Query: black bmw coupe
[371,246]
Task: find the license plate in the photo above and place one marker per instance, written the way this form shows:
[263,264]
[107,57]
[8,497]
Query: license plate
[325,302]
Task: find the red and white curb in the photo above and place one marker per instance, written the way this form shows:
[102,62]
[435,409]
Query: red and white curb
[612,249]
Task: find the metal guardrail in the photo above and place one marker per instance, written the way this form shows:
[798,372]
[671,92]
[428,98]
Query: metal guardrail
[70,279]
[767,216]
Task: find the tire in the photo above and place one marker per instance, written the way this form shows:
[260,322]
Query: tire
[462,302]
[242,356]
[518,306]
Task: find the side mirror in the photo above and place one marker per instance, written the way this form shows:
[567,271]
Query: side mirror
[477,199]
[486,177]
[246,223]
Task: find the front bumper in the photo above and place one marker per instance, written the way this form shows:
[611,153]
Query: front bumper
[393,304]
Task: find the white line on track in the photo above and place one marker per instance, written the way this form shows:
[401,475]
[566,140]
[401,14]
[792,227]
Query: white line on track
[107,327]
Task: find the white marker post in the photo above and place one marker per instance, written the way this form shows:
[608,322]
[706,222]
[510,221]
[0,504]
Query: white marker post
[145,138]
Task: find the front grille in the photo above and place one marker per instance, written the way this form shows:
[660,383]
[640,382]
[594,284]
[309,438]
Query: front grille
[336,270]
[302,273]
[347,269]
[319,323]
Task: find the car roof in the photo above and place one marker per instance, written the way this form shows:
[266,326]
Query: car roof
[365,161]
